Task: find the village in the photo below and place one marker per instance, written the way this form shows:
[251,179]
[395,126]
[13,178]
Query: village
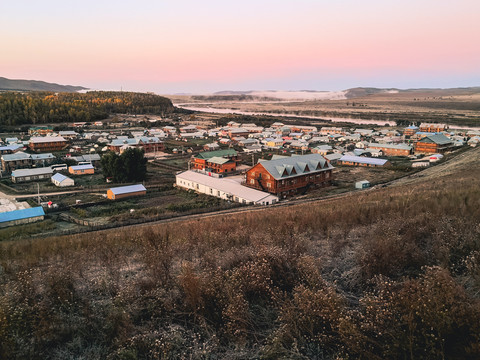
[195,166]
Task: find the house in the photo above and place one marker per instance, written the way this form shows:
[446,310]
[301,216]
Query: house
[252,148]
[24,175]
[236,132]
[274,142]
[22,216]
[87,169]
[149,144]
[277,125]
[322,149]
[330,130]
[431,144]
[362,161]
[223,188]
[42,159]
[392,149]
[433,128]
[214,161]
[10,149]
[40,130]
[126,191]
[333,158]
[188,129]
[47,143]
[68,134]
[410,130]
[19,160]
[211,147]
[62,180]
[288,175]
[220,165]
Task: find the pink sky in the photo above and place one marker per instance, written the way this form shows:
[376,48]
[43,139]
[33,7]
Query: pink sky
[193,46]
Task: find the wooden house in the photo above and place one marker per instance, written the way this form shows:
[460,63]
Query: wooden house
[289,175]
[432,128]
[47,143]
[432,144]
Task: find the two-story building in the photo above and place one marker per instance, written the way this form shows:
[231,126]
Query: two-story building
[288,175]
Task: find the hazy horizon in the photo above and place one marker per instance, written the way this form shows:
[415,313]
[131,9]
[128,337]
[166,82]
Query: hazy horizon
[210,46]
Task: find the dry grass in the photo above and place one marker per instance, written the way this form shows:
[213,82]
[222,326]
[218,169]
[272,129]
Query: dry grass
[393,273]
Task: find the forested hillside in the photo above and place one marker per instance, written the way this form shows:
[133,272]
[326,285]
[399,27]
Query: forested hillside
[392,273]
[46,107]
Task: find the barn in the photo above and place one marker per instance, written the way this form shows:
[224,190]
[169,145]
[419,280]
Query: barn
[126,191]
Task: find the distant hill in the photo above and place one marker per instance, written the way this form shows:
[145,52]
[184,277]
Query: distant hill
[34,85]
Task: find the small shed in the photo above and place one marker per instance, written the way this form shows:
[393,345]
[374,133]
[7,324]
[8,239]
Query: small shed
[126,191]
[62,180]
[364,184]
[22,216]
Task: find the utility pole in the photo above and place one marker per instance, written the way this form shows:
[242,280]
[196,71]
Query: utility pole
[38,193]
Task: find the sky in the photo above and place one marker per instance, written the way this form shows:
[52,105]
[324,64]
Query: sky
[192,46]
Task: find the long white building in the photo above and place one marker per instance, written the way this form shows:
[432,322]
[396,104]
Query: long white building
[223,188]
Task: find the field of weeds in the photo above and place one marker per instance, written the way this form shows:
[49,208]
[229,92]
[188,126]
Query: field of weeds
[391,273]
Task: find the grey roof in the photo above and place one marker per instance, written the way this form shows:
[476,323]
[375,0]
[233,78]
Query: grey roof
[285,168]
[82,167]
[334,156]
[60,177]
[32,172]
[439,139]
[363,160]
[91,157]
[218,160]
[42,156]
[43,139]
[391,146]
[128,189]
[16,157]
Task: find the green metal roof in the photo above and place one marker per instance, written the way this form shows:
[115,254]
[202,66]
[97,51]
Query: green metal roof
[218,160]
[217,153]
[439,139]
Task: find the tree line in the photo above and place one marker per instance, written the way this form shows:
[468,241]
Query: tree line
[17,108]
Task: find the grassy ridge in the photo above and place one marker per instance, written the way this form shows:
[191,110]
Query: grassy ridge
[393,273]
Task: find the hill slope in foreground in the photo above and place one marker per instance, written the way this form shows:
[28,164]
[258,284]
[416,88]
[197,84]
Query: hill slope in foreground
[34,85]
[388,273]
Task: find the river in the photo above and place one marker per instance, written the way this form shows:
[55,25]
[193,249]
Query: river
[213,110]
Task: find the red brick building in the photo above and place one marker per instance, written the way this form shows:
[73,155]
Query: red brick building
[288,175]
[219,161]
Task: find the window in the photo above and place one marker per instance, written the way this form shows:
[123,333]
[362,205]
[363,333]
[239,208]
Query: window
[253,173]
[252,181]
[218,193]
[269,185]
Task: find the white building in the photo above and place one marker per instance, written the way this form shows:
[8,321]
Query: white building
[224,188]
[62,180]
